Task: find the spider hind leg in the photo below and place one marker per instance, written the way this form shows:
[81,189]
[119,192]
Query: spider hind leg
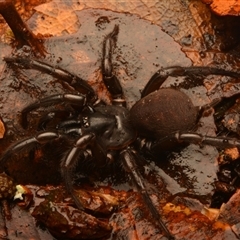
[189,137]
[161,75]
[130,166]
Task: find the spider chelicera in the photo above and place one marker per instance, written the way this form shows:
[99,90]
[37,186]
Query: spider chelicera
[109,132]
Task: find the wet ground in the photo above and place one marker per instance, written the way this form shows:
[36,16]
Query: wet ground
[144,44]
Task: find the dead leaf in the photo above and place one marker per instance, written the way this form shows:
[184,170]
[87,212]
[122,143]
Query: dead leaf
[223,7]
[2,129]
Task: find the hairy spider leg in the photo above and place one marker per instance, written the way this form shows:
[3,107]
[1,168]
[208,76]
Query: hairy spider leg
[74,99]
[129,159]
[23,35]
[161,75]
[74,81]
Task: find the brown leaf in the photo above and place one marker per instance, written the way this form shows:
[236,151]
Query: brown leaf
[2,129]
[223,7]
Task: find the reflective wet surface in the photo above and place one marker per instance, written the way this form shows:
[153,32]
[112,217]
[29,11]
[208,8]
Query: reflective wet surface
[142,48]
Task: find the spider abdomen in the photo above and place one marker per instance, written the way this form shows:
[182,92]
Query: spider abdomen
[163,112]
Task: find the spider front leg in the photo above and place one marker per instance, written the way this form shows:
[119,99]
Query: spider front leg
[161,75]
[75,155]
[74,81]
[110,80]
[29,143]
[70,160]
[78,100]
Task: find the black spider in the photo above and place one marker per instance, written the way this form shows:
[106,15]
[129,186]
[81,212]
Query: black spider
[163,115]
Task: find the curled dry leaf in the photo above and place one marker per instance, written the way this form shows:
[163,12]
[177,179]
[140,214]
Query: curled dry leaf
[65,221]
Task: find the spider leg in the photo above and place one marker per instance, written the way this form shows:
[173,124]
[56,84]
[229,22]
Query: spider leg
[74,99]
[110,80]
[220,142]
[70,160]
[130,166]
[29,143]
[162,74]
[195,138]
[76,82]
[22,33]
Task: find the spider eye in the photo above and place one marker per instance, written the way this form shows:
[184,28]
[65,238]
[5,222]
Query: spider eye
[85,122]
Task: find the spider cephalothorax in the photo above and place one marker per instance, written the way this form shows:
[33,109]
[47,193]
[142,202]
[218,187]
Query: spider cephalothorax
[110,131]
